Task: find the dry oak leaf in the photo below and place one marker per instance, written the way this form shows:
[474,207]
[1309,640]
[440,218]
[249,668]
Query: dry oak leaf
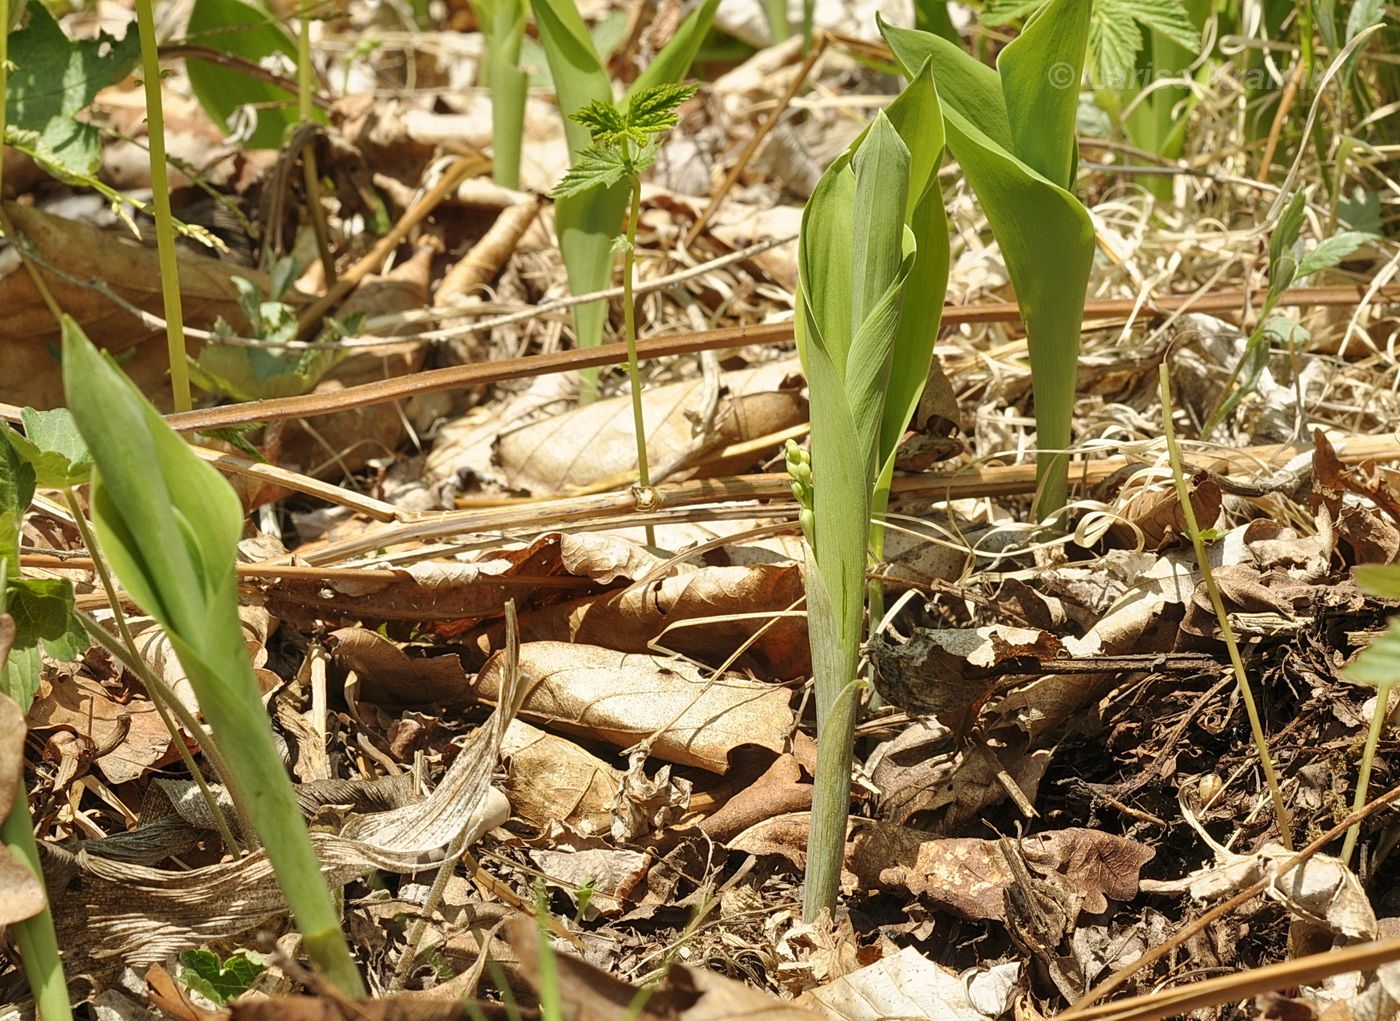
[686,716]
[128,739]
[549,779]
[969,876]
[906,985]
[390,677]
[21,892]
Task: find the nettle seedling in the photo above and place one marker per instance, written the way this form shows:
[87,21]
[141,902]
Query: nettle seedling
[624,144]
[586,223]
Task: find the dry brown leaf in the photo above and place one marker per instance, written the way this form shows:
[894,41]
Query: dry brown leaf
[21,892]
[612,875]
[549,779]
[684,994]
[128,740]
[624,699]
[710,614]
[969,876]
[1156,515]
[594,442]
[129,268]
[907,985]
[390,677]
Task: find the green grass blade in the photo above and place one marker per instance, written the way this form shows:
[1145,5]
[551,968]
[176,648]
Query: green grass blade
[672,64]
[503,24]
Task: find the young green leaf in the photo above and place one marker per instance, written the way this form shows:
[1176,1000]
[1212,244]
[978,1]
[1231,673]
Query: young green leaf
[247,31]
[596,167]
[605,123]
[1331,251]
[169,525]
[53,447]
[220,981]
[652,111]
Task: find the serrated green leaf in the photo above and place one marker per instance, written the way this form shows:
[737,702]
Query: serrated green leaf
[258,373]
[52,78]
[1003,12]
[1286,230]
[1113,46]
[1166,16]
[1381,580]
[1330,252]
[53,447]
[597,167]
[652,110]
[220,981]
[604,121]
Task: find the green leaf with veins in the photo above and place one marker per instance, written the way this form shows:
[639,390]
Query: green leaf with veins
[612,157]
[52,78]
[53,447]
[652,111]
[221,981]
[597,166]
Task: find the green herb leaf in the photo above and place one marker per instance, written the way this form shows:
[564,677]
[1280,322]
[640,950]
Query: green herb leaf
[604,122]
[53,78]
[595,167]
[1330,252]
[42,609]
[243,30]
[1382,580]
[202,971]
[652,111]
[53,447]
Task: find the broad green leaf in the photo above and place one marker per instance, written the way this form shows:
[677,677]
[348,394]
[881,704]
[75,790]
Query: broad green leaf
[221,981]
[19,674]
[1044,232]
[579,75]
[595,167]
[169,525]
[881,167]
[243,30]
[53,447]
[824,259]
[1378,663]
[1330,252]
[1382,580]
[42,609]
[258,373]
[965,84]
[52,78]
[16,493]
[1040,71]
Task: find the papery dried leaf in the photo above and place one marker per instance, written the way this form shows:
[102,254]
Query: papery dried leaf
[622,699]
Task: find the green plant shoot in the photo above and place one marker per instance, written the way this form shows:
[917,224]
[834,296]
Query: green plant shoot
[588,222]
[1379,665]
[624,144]
[502,22]
[148,488]
[872,270]
[1012,131]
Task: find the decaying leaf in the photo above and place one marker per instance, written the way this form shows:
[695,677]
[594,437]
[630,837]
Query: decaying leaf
[906,985]
[681,714]
[21,892]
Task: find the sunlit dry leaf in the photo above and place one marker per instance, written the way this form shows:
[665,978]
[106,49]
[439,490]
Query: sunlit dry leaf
[390,677]
[596,441]
[550,779]
[622,699]
[128,739]
[907,985]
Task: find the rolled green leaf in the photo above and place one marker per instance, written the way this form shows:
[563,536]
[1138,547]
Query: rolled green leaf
[168,524]
[502,23]
[1012,132]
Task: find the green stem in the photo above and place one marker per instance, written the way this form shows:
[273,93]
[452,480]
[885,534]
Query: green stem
[1363,775]
[38,945]
[629,321]
[831,802]
[158,699]
[165,220]
[311,178]
[1227,632]
[778,25]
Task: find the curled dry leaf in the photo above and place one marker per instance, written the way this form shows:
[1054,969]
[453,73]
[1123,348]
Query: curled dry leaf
[595,442]
[623,699]
[711,614]
[127,740]
[549,779]
[1156,515]
[21,892]
[969,877]
[390,677]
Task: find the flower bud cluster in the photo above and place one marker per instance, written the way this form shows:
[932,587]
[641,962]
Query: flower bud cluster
[799,466]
